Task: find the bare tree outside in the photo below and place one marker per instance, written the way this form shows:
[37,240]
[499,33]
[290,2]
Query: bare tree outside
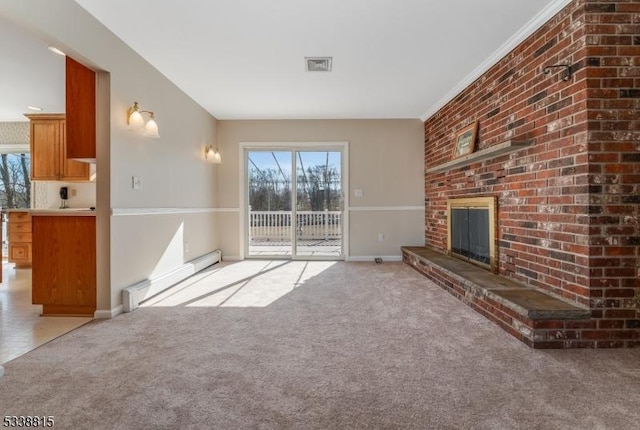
[268,191]
[318,189]
[321,188]
[15,185]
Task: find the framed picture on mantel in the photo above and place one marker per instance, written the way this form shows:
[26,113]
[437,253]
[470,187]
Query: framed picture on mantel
[466,140]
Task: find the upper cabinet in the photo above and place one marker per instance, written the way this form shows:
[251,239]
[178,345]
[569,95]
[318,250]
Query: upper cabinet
[62,145]
[81,111]
[48,151]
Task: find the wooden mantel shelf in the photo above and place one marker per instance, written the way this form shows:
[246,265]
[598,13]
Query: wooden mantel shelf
[485,154]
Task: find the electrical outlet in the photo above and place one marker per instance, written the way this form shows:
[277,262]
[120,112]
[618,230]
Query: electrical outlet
[359,192]
[74,192]
[380,237]
[136,182]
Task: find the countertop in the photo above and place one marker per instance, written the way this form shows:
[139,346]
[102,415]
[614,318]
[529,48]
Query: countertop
[63,212]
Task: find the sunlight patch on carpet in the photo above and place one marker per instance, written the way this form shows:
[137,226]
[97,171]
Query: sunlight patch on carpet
[250,283]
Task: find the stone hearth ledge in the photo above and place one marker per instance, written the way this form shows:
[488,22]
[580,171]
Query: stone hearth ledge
[479,283]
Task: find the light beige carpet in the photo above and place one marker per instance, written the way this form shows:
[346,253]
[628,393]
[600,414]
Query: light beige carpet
[295,345]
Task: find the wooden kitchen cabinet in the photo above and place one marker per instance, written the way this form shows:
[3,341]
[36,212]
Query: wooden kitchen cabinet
[64,264]
[19,238]
[81,111]
[48,150]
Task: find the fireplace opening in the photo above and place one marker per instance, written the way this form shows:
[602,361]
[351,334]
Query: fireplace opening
[471,235]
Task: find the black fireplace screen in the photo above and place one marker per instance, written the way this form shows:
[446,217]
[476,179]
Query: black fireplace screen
[470,233]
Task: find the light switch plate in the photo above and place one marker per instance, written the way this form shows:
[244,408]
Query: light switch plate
[136,182]
[359,192]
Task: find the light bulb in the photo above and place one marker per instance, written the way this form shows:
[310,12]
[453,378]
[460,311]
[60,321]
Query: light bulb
[151,129]
[216,158]
[136,122]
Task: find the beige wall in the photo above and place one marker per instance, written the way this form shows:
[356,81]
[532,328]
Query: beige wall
[386,161]
[172,168]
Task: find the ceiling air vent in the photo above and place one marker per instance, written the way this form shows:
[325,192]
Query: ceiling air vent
[318,64]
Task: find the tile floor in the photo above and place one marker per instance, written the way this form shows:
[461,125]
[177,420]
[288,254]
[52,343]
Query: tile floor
[21,326]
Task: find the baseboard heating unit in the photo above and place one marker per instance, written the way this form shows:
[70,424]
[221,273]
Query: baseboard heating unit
[136,293]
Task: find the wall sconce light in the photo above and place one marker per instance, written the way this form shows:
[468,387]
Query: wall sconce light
[212,154]
[135,121]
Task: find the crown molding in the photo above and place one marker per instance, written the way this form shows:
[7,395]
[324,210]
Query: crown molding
[538,21]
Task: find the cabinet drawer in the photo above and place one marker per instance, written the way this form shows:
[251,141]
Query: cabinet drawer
[20,253]
[16,237]
[19,216]
[19,227]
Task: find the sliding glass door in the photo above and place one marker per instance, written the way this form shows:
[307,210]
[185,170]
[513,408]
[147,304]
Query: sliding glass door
[318,203]
[269,218]
[295,203]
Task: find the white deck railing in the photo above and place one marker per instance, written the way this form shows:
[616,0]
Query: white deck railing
[276,225]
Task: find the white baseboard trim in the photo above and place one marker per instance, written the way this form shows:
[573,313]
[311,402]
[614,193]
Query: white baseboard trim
[134,294]
[232,258]
[371,258]
[108,314]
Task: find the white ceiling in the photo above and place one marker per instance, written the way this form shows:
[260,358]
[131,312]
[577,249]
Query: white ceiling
[30,74]
[244,59]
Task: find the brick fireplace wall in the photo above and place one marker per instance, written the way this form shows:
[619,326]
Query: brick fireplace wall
[569,205]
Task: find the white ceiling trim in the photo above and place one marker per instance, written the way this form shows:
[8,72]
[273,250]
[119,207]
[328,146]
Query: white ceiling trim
[14,148]
[538,21]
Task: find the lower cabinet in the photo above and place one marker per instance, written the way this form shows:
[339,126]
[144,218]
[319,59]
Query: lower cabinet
[64,264]
[19,238]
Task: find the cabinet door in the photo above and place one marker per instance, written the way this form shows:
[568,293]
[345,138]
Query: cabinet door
[81,111]
[71,170]
[64,263]
[45,149]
